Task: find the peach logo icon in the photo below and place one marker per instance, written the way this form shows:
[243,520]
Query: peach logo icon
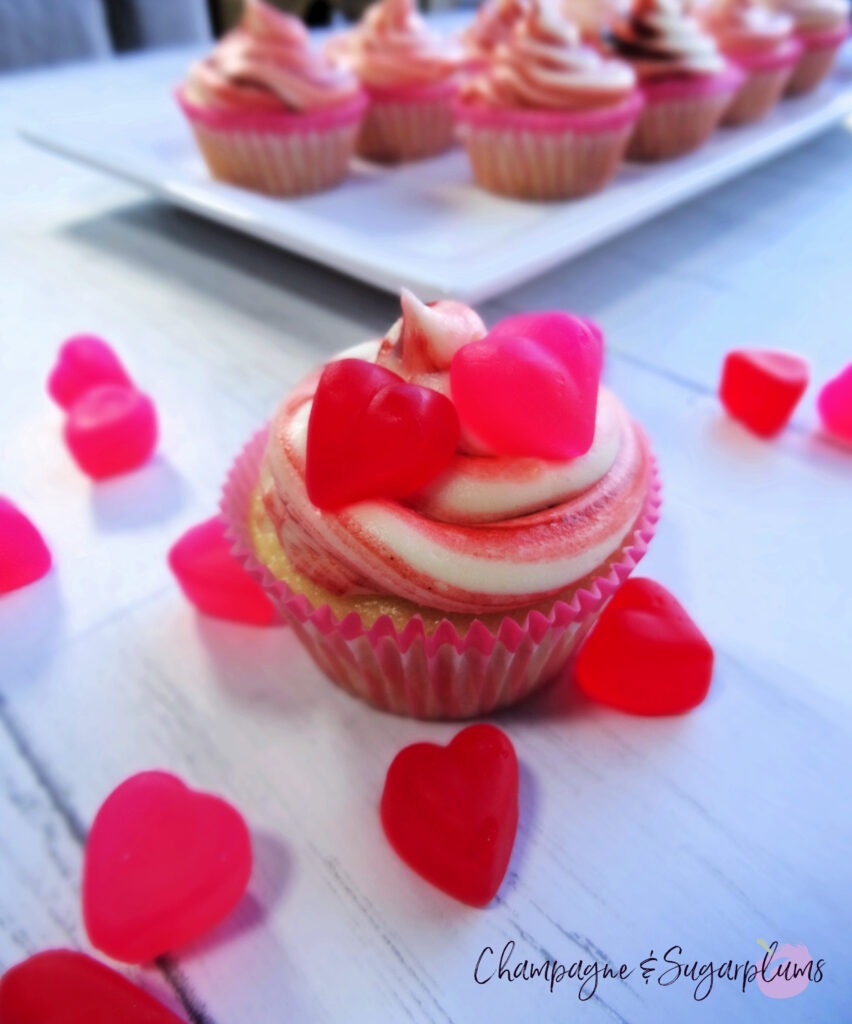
[785,970]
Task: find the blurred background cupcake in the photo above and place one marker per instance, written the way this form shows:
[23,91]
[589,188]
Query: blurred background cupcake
[686,81]
[821,26]
[762,44]
[270,114]
[549,118]
[410,75]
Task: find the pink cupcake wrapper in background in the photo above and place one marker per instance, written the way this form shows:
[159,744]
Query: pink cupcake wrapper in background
[441,674]
[545,154]
[818,54]
[784,56]
[408,123]
[281,154]
[681,114]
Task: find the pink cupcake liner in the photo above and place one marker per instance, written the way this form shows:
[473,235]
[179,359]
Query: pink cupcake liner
[530,154]
[440,674]
[819,50]
[766,76]
[680,114]
[408,123]
[277,153]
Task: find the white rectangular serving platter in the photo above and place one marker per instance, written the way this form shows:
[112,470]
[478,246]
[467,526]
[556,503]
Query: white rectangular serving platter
[424,225]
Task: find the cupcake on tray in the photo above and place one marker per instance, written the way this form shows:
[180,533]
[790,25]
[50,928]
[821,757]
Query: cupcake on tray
[686,81]
[270,114]
[410,75]
[441,514]
[762,44]
[549,118]
[821,26]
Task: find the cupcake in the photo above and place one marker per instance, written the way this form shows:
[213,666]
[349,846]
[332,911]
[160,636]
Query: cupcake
[761,43]
[492,26]
[268,113]
[549,118]
[410,76]
[686,81]
[441,514]
[821,26]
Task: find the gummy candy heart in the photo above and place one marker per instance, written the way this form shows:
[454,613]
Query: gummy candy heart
[530,386]
[63,987]
[371,435]
[835,405]
[214,581]
[761,387]
[451,813]
[163,864]
[111,429]
[24,556]
[645,655]
[84,362]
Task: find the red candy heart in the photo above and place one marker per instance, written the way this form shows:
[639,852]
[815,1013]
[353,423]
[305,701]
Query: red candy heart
[84,362]
[63,987]
[371,435]
[530,386]
[111,429]
[163,865]
[214,581]
[24,556]
[761,387]
[451,813]
[645,655]
[835,405]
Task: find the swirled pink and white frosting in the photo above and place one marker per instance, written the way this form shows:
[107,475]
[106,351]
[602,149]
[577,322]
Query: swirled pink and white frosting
[661,38]
[491,26]
[392,47]
[490,534]
[266,65]
[543,65]
[746,27]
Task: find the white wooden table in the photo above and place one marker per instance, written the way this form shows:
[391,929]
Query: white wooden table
[709,831]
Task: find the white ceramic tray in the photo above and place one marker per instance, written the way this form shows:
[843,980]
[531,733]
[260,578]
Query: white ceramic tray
[425,225]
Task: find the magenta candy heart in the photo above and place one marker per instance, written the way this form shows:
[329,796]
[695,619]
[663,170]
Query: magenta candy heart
[163,865]
[111,429]
[84,362]
[835,405]
[530,386]
[214,581]
[24,556]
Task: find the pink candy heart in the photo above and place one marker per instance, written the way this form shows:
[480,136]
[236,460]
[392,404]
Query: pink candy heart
[214,581]
[84,362]
[111,429]
[530,386]
[24,556]
[163,865]
[835,405]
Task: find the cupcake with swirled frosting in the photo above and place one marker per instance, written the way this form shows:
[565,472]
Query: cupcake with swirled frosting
[687,82]
[442,512]
[821,26]
[549,117]
[410,75]
[269,113]
[761,42]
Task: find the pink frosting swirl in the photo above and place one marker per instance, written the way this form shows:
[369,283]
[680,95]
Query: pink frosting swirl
[544,66]
[662,38]
[392,47]
[266,65]
[492,25]
[490,534]
[745,27]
